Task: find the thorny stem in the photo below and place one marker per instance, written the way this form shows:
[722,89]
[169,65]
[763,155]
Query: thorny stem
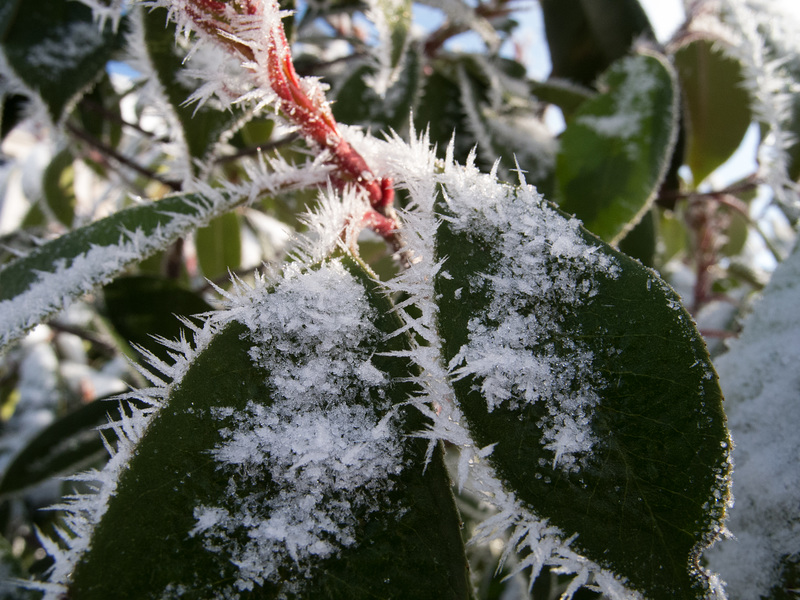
[310,112]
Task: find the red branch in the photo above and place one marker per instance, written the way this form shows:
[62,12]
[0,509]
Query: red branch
[311,114]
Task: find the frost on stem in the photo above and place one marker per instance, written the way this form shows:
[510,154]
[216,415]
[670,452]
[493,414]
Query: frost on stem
[252,30]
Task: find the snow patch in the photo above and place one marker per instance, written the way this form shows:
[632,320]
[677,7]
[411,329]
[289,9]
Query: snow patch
[320,457]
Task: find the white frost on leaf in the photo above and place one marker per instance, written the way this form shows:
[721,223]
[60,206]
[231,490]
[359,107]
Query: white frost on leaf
[320,456]
[416,169]
[71,277]
[625,122]
[82,512]
[762,34]
[760,378]
[389,18]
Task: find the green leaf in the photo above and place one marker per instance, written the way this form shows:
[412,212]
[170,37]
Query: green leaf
[584,371]
[202,126]
[616,151]
[562,93]
[141,307]
[359,104]
[717,103]
[640,243]
[42,282]
[219,246]
[358,521]
[58,187]
[58,50]
[68,445]
[586,36]
[396,17]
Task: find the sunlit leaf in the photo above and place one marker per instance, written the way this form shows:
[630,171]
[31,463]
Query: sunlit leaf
[617,149]
[717,104]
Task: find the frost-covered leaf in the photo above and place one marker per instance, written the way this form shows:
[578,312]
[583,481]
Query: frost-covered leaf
[57,50]
[44,281]
[392,20]
[717,103]
[488,103]
[586,36]
[279,464]
[585,380]
[202,126]
[617,148]
[760,379]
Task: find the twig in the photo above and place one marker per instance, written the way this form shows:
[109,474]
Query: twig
[120,158]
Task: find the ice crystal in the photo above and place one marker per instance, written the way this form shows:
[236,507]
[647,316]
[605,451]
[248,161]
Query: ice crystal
[482,202]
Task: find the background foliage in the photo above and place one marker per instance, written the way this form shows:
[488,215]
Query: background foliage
[627,132]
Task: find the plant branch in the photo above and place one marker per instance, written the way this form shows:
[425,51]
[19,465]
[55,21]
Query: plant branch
[120,158]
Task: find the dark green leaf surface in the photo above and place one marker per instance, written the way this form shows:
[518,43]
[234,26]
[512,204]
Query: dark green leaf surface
[141,307]
[58,50]
[647,495]
[616,150]
[717,104]
[414,553]
[586,36]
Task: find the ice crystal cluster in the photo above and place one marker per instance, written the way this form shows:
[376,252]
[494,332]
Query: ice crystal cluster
[327,440]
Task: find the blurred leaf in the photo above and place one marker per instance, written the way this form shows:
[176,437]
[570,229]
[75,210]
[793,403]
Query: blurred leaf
[717,104]
[10,569]
[640,242]
[8,15]
[562,93]
[541,321]
[58,187]
[38,284]
[615,152]
[219,245]
[358,103]
[12,107]
[58,50]
[586,36]
[66,446]
[202,126]
[413,552]
[735,233]
[441,113]
[396,17]
[100,114]
[672,236]
[141,307]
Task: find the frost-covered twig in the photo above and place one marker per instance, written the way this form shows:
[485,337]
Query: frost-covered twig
[252,30]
